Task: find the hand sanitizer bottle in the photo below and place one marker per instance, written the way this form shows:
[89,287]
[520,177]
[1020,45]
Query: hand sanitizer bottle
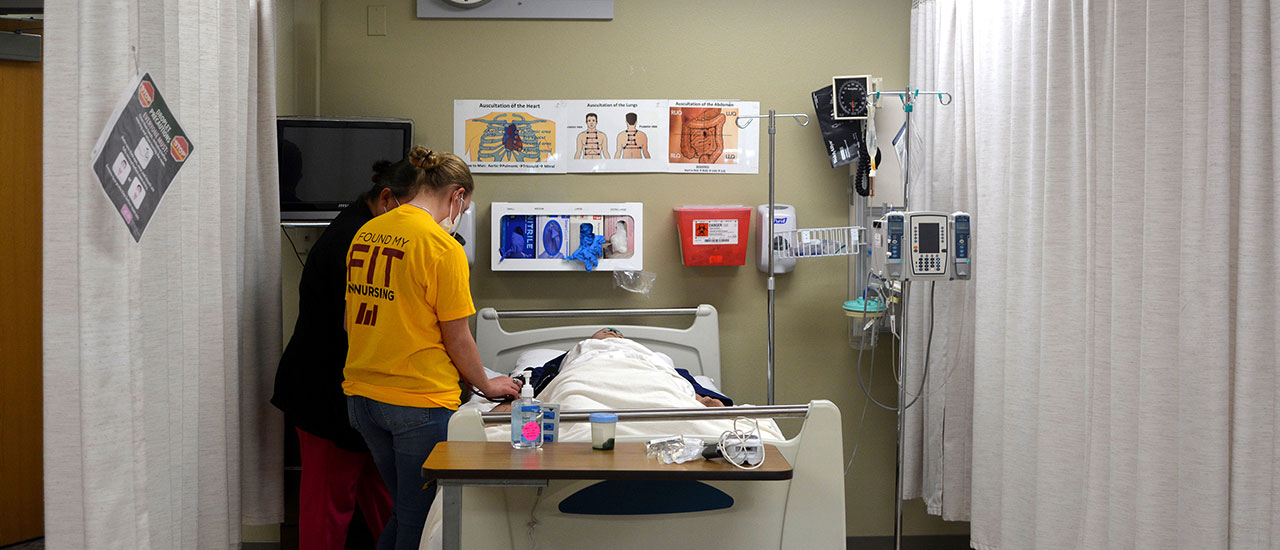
[526,419]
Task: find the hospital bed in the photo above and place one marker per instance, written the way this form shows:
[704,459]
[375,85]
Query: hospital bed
[806,511]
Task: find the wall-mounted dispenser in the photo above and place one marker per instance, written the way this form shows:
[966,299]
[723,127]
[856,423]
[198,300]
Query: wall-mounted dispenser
[784,229]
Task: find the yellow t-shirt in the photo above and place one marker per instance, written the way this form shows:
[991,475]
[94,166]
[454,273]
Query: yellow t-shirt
[405,275]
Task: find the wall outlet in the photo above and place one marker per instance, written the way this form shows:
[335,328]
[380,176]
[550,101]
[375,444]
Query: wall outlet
[377,25]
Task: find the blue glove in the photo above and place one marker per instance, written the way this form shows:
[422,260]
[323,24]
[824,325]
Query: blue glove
[589,251]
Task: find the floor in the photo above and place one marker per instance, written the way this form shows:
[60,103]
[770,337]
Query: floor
[941,542]
[33,544]
[910,542]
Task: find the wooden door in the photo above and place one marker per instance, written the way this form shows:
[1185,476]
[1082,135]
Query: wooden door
[21,470]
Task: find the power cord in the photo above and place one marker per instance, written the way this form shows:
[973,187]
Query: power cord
[861,176]
[533,519]
[857,439]
[896,375]
[294,247]
[928,343]
[863,383]
[740,459]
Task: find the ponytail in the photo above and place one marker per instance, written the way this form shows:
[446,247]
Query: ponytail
[421,168]
[441,170]
[400,177]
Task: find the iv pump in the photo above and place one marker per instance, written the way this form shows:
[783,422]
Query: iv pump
[923,246]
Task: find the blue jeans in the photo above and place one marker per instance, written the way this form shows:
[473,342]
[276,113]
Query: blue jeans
[400,438]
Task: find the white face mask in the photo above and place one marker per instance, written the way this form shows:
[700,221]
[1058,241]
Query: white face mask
[450,224]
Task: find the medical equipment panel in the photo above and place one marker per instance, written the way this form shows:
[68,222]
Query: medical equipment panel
[535,236]
[928,254]
[921,246]
[550,422]
[894,225]
[961,233]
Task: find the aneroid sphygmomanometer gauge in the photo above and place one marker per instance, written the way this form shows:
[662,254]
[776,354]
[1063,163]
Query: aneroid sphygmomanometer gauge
[849,97]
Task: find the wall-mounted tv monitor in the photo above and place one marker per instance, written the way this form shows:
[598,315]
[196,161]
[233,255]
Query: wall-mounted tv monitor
[325,163]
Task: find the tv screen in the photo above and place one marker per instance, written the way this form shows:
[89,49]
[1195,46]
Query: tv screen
[325,164]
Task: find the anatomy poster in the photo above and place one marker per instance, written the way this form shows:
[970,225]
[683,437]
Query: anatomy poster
[509,136]
[616,135]
[607,135]
[704,137]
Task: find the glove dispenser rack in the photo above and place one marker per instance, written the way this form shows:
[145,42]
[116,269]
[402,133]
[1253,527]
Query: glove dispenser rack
[542,236]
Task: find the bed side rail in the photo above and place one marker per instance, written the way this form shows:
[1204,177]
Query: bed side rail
[547,313]
[698,413]
[696,348]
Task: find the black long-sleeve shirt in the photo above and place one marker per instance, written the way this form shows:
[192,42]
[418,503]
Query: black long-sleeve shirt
[309,379]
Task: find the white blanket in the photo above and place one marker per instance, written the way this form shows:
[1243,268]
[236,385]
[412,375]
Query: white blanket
[616,373]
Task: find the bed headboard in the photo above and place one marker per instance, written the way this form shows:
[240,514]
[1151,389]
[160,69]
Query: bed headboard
[696,348]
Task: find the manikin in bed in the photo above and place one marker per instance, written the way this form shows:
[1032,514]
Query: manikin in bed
[609,371]
[542,376]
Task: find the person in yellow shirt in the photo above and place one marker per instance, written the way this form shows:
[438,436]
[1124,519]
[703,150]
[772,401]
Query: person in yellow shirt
[409,342]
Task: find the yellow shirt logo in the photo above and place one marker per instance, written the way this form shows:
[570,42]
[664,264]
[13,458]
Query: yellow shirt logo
[405,275]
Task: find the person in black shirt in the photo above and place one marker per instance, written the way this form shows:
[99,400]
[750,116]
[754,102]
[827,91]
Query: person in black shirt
[337,469]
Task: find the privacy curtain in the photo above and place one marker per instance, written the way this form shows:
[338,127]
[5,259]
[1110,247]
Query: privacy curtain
[1125,384]
[941,315]
[158,355]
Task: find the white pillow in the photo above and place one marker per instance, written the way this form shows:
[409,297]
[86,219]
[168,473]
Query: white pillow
[707,382]
[535,358]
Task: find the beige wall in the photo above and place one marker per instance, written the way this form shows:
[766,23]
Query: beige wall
[772,52]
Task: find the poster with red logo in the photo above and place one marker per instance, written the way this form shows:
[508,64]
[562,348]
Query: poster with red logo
[139,154]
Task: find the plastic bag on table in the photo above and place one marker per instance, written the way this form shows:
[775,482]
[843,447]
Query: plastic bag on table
[675,450]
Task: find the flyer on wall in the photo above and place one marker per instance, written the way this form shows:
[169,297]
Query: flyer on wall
[139,153]
[616,135]
[704,137]
[511,136]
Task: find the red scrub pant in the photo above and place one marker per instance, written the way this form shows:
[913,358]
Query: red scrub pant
[333,481]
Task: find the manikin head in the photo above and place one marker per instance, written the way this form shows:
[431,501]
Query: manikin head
[607,333]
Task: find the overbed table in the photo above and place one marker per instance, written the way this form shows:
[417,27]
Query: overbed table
[455,464]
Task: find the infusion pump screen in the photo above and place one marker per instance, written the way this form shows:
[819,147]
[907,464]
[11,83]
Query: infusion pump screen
[928,238]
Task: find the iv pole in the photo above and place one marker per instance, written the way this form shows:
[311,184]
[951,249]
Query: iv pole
[772,116]
[907,96]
